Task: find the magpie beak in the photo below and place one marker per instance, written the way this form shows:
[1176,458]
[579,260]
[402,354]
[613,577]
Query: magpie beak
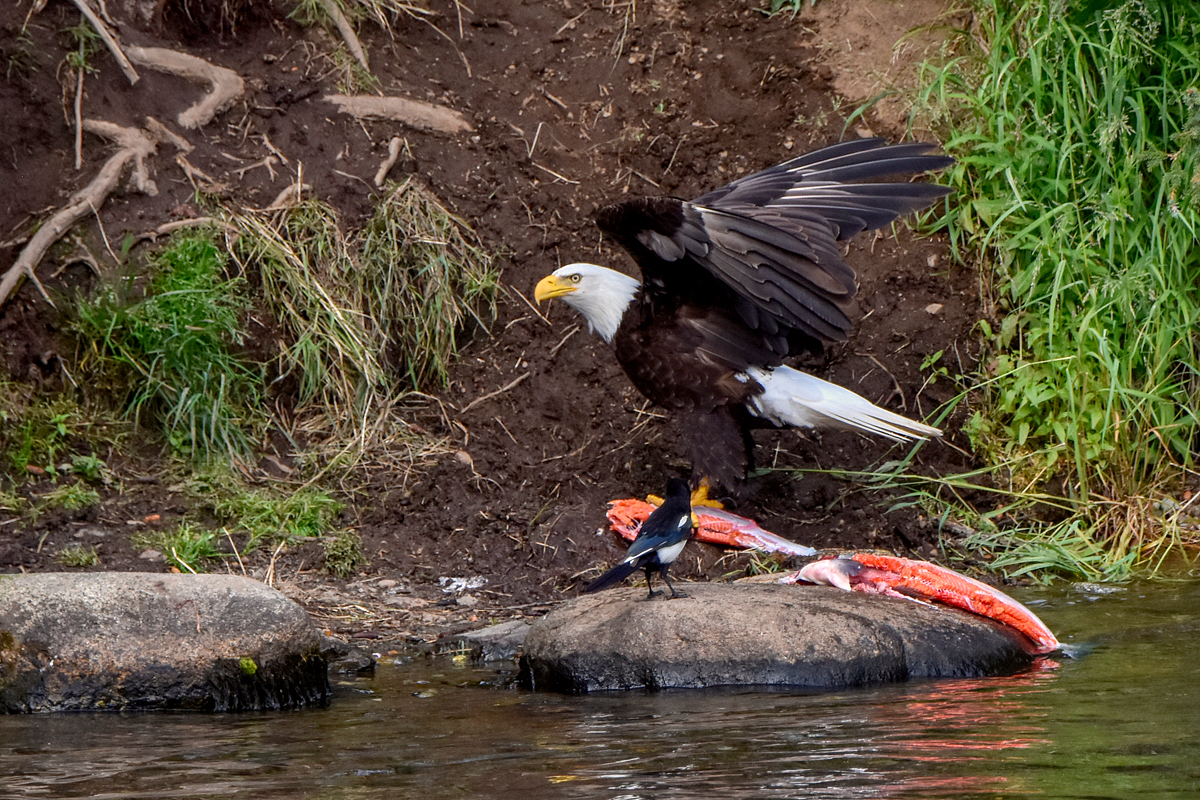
[659,542]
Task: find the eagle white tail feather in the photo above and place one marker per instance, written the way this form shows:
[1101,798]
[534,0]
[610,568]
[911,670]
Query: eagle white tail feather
[794,398]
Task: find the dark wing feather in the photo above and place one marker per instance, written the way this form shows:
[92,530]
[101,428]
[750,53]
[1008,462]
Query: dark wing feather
[766,244]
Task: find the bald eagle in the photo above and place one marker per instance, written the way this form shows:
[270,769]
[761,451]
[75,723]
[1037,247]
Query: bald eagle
[736,281]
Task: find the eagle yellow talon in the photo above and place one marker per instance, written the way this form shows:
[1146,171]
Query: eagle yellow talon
[700,497]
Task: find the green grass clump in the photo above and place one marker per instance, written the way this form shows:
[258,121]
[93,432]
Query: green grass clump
[308,279]
[1077,133]
[364,320]
[343,553]
[173,352]
[187,547]
[10,501]
[51,432]
[265,516]
[425,278]
[72,497]
[77,555]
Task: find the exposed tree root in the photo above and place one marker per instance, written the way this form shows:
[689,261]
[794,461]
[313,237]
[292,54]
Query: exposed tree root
[135,146]
[225,85]
[347,31]
[415,113]
[292,194]
[109,40]
[389,162]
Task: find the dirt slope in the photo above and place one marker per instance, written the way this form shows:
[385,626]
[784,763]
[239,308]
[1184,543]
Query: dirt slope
[572,105]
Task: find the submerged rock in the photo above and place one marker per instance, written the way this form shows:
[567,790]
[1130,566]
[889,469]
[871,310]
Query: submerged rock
[502,642]
[153,641]
[759,634]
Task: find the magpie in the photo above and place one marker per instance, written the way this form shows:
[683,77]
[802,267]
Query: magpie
[659,541]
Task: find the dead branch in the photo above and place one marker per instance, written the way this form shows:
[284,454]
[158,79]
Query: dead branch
[390,161]
[180,224]
[109,40]
[225,85]
[414,113]
[269,162]
[347,31]
[79,120]
[135,146]
[507,387]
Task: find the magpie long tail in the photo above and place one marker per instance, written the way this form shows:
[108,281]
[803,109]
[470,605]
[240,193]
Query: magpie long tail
[615,575]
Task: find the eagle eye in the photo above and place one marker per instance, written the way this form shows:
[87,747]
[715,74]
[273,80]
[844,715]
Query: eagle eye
[575,278]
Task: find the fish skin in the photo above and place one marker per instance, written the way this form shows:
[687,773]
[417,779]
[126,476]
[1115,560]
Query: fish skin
[926,580]
[714,525]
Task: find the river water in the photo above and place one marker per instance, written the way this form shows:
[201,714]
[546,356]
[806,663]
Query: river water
[1121,722]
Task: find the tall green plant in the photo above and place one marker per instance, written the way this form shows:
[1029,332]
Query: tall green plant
[1077,130]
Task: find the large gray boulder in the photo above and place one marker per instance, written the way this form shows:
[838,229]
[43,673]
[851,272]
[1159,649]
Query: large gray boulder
[759,634]
[154,641]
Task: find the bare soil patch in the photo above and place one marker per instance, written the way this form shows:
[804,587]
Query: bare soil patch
[570,105]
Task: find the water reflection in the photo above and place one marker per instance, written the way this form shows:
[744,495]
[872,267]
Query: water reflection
[1120,723]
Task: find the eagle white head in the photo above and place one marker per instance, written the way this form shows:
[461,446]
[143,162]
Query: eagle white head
[601,294]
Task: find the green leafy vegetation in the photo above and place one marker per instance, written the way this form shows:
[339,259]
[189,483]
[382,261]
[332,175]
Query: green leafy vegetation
[792,7]
[12,502]
[45,432]
[425,278]
[359,321]
[365,320]
[1077,133]
[90,468]
[87,43]
[173,353]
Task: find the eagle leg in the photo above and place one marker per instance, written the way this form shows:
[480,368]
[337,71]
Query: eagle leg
[699,497]
[719,448]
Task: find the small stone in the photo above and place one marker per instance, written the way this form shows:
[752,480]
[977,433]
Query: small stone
[150,554]
[933,308]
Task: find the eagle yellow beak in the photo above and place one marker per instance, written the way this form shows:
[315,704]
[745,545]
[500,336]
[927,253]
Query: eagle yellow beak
[550,286]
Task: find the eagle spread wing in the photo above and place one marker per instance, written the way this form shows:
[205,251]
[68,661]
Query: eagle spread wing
[768,241]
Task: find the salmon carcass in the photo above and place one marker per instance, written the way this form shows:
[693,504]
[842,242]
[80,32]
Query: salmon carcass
[871,573]
[875,573]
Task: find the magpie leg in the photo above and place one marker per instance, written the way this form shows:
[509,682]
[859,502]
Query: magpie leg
[649,587]
[674,593]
